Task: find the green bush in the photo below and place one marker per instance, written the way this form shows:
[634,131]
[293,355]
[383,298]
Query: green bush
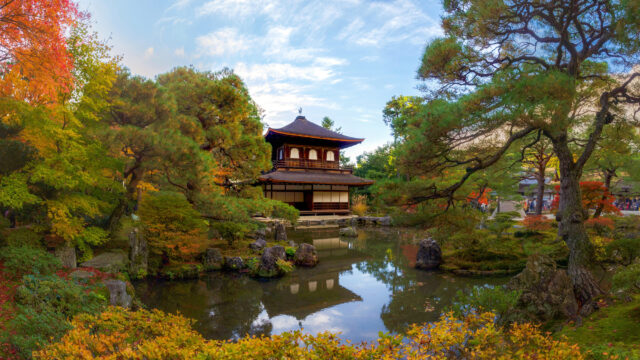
[291,251]
[501,223]
[624,249]
[253,265]
[627,279]
[23,237]
[43,306]
[182,271]
[232,231]
[496,299]
[22,260]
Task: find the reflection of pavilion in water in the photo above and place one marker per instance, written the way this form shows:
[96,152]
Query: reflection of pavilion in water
[307,291]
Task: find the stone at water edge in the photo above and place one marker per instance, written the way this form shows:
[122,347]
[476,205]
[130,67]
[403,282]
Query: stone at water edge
[110,262]
[280,232]
[268,261]
[258,244]
[138,255]
[67,256]
[546,290]
[348,231]
[306,255]
[233,263]
[429,255]
[118,295]
[384,221]
[213,259]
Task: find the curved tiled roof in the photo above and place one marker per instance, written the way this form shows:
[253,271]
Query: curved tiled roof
[308,177]
[305,128]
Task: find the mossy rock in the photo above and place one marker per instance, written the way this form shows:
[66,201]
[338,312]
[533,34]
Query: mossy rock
[181,271]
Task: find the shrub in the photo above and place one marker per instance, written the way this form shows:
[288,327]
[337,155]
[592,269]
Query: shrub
[537,223]
[496,299]
[625,249]
[252,264]
[501,223]
[627,279]
[43,305]
[284,266]
[600,245]
[290,251]
[119,333]
[600,225]
[232,231]
[23,237]
[172,226]
[21,260]
[359,205]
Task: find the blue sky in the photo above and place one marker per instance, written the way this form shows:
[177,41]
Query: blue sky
[343,59]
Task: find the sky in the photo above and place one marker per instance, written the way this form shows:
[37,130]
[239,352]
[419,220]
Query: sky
[343,59]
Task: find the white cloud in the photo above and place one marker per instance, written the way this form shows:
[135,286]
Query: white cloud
[179,52]
[148,53]
[222,42]
[229,7]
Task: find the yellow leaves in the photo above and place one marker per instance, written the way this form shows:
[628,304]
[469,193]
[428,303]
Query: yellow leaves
[122,334]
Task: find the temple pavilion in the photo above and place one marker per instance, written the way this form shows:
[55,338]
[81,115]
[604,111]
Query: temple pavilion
[306,168]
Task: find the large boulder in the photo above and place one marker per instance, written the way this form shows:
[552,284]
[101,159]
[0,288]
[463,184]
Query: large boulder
[384,221]
[268,261]
[118,295]
[429,255]
[547,291]
[258,245]
[280,232]
[261,233]
[213,259]
[349,231]
[109,262]
[67,256]
[234,263]
[306,255]
[138,255]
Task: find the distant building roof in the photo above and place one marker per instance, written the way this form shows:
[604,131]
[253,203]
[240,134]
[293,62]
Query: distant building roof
[312,177]
[301,127]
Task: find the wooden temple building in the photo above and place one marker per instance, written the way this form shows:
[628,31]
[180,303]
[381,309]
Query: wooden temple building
[306,168]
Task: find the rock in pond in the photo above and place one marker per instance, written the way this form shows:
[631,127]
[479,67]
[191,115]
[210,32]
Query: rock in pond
[233,263]
[280,233]
[429,255]
[348,231]
[118,295]
[268,261]
[110,262]
[306,255]
[258,245]
[212,259]
[546,290]
[67,256]
[138,255]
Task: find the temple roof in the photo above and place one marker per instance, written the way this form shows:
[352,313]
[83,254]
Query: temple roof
[303,128]
[312,177]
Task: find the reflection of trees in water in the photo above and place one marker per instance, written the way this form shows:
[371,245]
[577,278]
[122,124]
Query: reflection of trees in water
[225,306]
[416,296]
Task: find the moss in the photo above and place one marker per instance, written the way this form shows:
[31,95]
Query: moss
[614,330]
[181,271]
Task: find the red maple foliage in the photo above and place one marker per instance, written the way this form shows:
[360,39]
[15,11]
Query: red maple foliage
[594,194]
[537,223]
[34,59]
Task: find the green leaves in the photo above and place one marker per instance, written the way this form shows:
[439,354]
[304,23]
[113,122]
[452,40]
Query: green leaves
[14,192]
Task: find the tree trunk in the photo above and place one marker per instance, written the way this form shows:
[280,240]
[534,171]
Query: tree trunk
[608,175]
[571,216]
[121,208]
[540,194]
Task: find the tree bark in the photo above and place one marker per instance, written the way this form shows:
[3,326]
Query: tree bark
[571,216]
[121,208]
[540,194]
[608,175]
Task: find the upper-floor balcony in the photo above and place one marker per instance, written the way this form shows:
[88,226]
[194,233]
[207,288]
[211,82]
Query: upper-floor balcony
[312,164]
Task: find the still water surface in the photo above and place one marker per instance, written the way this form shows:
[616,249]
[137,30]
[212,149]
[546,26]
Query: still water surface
[360,287]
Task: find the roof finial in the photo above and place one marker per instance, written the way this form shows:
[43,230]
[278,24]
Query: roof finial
[300,110]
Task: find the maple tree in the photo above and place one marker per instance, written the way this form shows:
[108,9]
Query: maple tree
[35,61]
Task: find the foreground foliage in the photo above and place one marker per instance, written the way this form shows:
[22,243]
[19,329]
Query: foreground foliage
[118,333]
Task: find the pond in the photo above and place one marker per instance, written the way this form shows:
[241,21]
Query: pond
[361,286]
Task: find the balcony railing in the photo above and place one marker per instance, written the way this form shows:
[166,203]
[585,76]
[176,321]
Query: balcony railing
[310,164]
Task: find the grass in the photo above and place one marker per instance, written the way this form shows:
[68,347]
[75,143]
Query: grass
[609,332]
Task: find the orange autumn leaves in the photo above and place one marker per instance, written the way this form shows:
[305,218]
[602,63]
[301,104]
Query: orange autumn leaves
[34,59]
